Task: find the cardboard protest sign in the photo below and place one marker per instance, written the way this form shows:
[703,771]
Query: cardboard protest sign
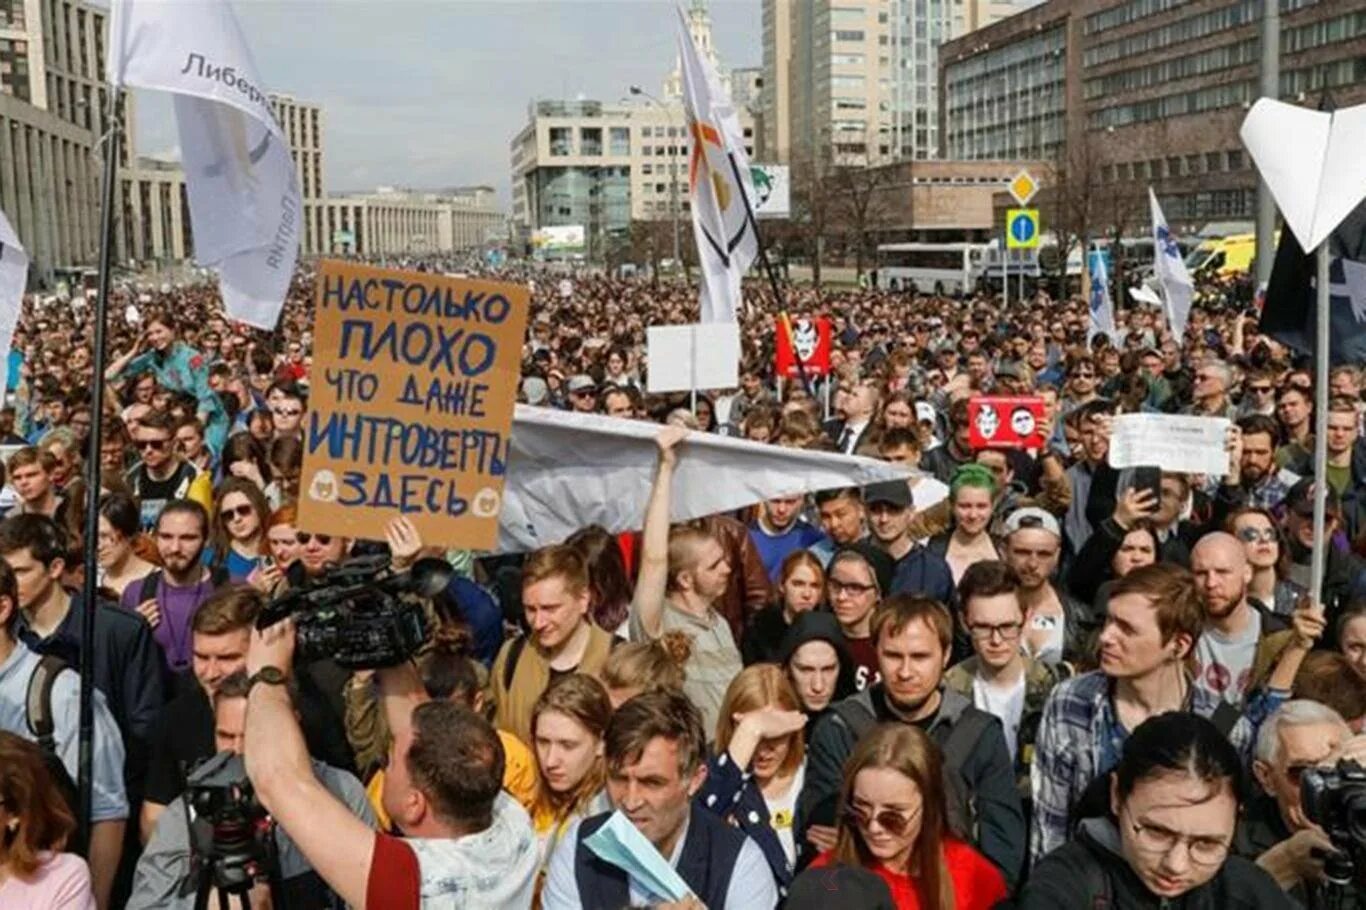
[413,386]
[1005,422]
[809,339]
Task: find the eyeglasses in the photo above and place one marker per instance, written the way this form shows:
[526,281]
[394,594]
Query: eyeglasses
[241,511]
[1083,374]
[1259,389]
[304,538]
[1009,631]
[893,822]
[1204,851]
[838,587]
[1253,535]
[156,445]
[287,412]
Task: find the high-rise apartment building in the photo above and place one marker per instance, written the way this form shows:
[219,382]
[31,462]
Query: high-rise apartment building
[856,81]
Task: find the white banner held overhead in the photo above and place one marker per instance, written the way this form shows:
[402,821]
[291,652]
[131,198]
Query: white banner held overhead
[1171,272]
[568,470]
[704,355]
[245,206]
[13,277]
[1184,444]
[726,241]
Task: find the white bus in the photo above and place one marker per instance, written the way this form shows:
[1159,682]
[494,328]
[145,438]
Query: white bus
[930,268]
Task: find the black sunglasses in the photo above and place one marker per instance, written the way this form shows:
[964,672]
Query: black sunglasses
[241,511]
[156,445]
[304,538]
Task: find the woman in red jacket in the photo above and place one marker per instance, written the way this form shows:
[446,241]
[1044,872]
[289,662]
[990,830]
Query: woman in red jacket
[894,823]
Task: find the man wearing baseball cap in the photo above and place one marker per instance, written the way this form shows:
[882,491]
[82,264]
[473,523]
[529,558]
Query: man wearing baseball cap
[1342,569]
[916,569]
[1059,625]
[583,393]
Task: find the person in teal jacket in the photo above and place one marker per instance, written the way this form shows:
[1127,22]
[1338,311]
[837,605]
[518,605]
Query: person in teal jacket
[179,367]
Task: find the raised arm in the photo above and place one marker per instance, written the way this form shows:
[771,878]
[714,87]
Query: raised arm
[648,602]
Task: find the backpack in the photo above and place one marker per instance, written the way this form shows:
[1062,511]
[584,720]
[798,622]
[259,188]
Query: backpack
[961,803]
[515,654]
[38,710]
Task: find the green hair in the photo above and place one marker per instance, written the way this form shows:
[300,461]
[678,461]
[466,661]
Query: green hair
[972,475]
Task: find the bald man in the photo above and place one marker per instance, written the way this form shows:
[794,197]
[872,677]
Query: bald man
[1240,644]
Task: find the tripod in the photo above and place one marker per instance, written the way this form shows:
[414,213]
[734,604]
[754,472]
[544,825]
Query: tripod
[206,884]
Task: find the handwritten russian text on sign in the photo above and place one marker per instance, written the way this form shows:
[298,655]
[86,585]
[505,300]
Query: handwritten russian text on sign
[413,386]
[1177,443]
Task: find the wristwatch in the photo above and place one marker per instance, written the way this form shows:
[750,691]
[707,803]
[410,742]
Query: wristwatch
[271,676]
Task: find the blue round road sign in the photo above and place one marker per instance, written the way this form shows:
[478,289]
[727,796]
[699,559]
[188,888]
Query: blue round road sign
[1022,228]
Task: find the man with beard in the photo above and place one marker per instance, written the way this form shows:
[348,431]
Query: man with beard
[913,636]
[168,597]
[1252,463]
[1240,644]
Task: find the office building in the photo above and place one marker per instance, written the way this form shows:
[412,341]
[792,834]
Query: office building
[1123,94]
[392,221]
[856,81]
[602,166]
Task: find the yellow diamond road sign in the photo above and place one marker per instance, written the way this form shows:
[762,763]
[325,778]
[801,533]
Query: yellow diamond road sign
[1023,188]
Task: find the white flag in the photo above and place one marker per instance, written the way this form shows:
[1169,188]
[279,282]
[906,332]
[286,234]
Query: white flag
[568,470]
[245,206]
[13,277]
[1170,268]
[1102,307]
[719,182]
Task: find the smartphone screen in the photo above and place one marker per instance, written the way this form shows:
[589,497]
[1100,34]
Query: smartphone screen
[1149,478]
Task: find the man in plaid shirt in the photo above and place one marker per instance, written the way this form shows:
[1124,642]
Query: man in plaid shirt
[1155,617]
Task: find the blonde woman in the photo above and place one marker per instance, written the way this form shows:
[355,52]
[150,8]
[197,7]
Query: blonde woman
[760,762]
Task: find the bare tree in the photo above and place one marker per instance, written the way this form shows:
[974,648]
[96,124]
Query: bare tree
[814,202]
[862,204]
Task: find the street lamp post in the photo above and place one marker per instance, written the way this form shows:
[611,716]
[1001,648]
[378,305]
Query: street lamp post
[673,170]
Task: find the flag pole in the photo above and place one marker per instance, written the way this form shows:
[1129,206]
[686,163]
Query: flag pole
[1318,559]
[768,269]
[85,780]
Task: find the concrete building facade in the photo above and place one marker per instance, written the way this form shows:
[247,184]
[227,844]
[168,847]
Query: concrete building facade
[856,81]
[1131,93]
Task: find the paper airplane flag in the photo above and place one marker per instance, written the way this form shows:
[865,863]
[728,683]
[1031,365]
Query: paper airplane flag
[245,208]
[720,184]
[13,277]
[1291,302]
[1312,162]
[569,470]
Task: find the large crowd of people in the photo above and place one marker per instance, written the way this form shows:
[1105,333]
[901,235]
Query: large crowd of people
[1020,677]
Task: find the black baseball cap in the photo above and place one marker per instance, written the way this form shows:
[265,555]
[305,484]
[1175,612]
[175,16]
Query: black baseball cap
[1300,498]
[892,492]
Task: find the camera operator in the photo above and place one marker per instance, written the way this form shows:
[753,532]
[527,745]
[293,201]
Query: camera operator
[467,843]
[166,862]
[1275,831]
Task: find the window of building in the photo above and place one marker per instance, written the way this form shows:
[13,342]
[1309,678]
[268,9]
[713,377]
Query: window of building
[561,141]
[1234,158]
[590,141]
[620,138]
[849,35]
[1214,161]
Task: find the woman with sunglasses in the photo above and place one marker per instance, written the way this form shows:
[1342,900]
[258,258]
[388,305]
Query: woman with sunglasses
[1269,589]
[119,526]
[1174,801]
[760,764]
[237,541]
[35,823]
[894,823]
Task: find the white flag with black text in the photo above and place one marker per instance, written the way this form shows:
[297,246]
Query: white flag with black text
[245,207]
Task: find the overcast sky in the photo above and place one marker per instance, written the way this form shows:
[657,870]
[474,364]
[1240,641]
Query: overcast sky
[428,93]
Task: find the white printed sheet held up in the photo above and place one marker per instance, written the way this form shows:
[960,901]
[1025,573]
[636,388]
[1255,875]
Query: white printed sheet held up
[1182,444]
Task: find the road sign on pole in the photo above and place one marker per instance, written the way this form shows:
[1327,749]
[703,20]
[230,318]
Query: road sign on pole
[1022,229]
[1023,187]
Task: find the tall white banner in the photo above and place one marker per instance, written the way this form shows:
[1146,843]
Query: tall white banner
[1101,305]
[1170,268]
[719,183]
[13,276]
[245,206]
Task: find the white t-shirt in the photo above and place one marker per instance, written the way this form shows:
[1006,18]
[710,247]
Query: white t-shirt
[781,812]
[1223,666]
[1006,703]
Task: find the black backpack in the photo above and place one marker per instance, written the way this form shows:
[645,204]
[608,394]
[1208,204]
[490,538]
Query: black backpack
[38,708]
[961,804]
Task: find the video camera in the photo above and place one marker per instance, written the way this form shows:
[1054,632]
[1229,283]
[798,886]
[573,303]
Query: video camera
[232,837]
[1335,800]
[356,612]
